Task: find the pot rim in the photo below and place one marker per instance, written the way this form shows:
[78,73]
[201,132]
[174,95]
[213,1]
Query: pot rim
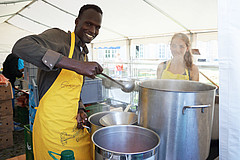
[95,114]
[179,91]
[124,153]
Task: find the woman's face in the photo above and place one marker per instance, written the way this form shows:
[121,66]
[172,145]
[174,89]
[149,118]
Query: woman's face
[178,47]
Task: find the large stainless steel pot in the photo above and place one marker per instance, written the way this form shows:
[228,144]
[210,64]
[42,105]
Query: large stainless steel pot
[125,142]
[181,112]
[215,126]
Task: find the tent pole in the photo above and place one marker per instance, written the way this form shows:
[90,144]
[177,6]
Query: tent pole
[129,56]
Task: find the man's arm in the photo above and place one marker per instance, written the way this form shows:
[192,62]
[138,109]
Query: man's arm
[89,69]
[35,48]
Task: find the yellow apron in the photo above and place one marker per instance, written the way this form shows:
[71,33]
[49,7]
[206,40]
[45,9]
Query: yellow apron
[55,124]
[169,75]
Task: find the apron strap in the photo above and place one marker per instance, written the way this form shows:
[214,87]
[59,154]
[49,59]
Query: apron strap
[72,45]
[71,49]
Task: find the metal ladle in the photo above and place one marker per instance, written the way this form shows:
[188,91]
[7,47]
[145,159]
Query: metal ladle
[127,87]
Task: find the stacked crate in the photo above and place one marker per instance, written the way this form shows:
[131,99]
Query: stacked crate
[6,117]
[33,102]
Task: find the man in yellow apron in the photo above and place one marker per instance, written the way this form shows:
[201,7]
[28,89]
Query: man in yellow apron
[61,58]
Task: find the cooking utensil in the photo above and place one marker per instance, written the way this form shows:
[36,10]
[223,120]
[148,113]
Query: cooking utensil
[118,118]
[128,142]
[126,87]
[181,112]
[127,108]
[209,79]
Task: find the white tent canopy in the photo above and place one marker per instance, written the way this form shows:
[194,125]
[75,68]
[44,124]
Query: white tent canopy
[122,19]
[129,19]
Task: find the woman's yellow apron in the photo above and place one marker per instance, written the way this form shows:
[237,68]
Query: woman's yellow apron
[169,75]
[55,124]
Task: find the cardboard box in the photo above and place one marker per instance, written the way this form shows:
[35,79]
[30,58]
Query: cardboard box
[6,123]
[6,92]
[6,139]
[6,107]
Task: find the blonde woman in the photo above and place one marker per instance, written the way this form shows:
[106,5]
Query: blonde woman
[181,65]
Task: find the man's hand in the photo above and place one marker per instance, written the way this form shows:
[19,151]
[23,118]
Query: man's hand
[89,69]
[82,119]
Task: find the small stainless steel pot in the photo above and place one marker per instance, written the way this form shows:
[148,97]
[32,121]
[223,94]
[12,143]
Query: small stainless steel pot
[128,142]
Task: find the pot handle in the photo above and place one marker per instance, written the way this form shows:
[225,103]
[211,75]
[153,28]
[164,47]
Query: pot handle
[110,156]
[196,106]
[107,155]
[88,128]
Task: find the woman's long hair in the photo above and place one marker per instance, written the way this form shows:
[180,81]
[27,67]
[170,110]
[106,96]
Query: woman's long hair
[188,55]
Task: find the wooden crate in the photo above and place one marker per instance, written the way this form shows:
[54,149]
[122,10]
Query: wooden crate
[6,139]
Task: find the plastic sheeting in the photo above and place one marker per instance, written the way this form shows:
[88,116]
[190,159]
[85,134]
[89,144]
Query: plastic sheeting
[229,56]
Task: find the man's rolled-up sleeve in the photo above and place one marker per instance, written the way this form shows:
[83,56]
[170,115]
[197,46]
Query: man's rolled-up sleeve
[40,50]
[51,58]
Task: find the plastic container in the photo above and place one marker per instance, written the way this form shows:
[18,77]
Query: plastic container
[95,108]
[65,155]
[92,91]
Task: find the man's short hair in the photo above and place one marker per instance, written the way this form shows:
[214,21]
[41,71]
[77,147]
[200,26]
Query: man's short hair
[89,6]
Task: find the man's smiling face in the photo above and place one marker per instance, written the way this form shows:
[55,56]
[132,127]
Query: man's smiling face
[88,25]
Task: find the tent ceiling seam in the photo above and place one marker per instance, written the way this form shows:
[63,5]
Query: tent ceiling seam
[76,16]
[7,15]
[20,10]
[16,26]
[59,8]
[11,2]
[34,20]
[167,15]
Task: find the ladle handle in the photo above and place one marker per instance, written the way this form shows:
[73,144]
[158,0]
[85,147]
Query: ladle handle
[127,108]
[113,80]
[209,79]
